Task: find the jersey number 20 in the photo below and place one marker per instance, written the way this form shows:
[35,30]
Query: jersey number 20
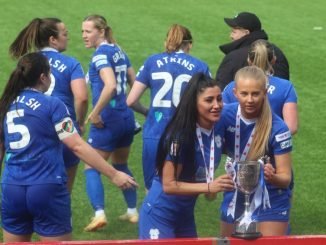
[158,100]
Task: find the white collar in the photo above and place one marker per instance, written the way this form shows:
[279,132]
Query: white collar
[248,121]
[180,51]
[49,49]
[204,130]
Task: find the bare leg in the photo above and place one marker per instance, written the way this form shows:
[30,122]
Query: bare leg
[226,229]
[120,155]
[9,237]
[65,237]
[273,228]
[71,173]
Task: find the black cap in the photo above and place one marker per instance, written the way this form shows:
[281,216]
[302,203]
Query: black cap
[244,20]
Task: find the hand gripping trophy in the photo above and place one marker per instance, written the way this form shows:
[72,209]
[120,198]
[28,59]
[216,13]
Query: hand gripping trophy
[247,180]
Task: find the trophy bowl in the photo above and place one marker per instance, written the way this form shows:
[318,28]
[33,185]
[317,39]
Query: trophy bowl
[247,179]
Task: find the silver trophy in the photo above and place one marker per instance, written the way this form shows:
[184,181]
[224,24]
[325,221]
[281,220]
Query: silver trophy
[247,179]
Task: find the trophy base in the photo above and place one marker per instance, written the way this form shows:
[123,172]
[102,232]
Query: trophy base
[247,236]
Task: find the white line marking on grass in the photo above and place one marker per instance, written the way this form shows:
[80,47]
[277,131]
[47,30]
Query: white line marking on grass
[317,28]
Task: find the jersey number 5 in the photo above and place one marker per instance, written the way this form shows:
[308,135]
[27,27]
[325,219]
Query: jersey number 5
[17,128]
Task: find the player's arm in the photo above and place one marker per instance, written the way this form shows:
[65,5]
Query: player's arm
[108,91]
[80,92]
[134,95]
[282,174]
[290,116]
[2,153]
[70,137]
[172,186]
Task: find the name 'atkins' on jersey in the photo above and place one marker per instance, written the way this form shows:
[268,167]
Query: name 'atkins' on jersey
[176,60]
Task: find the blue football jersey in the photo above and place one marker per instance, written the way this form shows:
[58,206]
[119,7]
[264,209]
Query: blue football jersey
[167,205]
[279,92]
[166,75]
[280,140]
[64,69]
[110,55]
[32,145]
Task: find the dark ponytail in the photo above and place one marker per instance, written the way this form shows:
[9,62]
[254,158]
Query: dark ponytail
[26,74]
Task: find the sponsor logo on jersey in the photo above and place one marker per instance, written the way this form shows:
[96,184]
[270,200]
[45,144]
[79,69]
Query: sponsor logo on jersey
[99,57]
[283,136]
[101,62]
[286,144]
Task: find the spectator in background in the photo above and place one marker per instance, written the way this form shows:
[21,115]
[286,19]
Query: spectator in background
[245,29]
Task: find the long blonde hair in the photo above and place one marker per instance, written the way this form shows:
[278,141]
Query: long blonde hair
[261,53]
[263,129]
[177,38]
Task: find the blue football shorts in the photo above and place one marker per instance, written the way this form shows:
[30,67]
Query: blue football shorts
[149,160]
[69,158]
[280,200]
[115,134]
[43,209]
[153,226]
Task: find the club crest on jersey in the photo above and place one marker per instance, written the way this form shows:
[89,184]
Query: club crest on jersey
[218,141]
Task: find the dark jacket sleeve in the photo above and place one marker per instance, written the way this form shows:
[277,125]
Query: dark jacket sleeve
[226,70]
[231,63]
[281,66]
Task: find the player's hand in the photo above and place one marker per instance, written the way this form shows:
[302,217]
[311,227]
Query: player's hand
[95,119]
[123,180]
[269,172]
[221,183]
[82,128]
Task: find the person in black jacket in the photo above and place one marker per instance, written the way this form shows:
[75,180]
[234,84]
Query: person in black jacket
[246,28]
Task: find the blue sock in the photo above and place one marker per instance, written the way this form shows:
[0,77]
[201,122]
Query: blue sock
[94,188]
[130,195]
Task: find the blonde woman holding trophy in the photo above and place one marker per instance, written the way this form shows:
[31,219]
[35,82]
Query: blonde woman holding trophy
[252,132]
